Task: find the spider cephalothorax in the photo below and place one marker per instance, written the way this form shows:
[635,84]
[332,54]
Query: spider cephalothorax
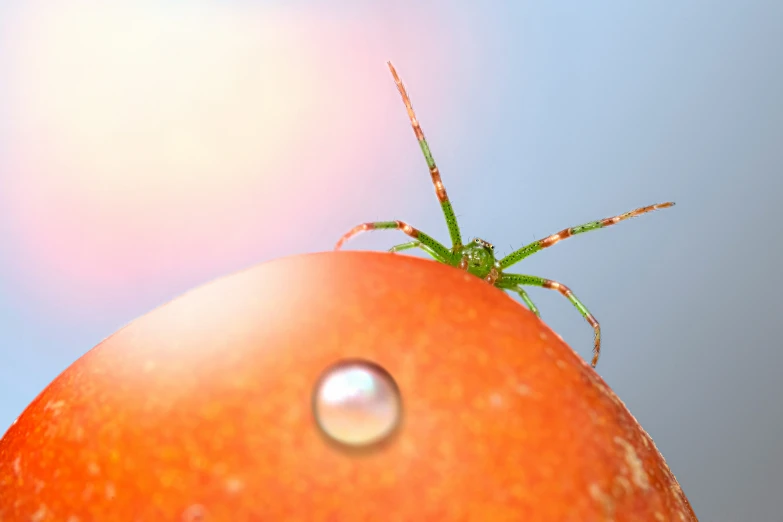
[478,256]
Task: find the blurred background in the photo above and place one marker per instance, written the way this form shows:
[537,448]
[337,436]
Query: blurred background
[149,147]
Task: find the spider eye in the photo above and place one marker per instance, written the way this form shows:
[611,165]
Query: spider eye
[477,240]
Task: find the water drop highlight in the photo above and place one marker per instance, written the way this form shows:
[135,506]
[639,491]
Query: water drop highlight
[357,403]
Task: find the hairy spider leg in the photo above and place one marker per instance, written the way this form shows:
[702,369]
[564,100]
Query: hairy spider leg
[532,248]
[442,252]
[417,244]
[507,280]
[526,298]
[440,190]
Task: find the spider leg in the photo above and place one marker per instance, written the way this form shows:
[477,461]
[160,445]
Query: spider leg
[442,252]
[507,280]
[532,248]
[417,244]
[526,298]
[405,246]
[440,190]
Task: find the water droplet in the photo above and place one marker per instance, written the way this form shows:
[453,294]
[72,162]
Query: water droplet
[357,403]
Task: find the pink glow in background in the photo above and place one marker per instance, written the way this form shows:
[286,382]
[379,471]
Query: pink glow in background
[192,139]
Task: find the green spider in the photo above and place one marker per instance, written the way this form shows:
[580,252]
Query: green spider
[478,257]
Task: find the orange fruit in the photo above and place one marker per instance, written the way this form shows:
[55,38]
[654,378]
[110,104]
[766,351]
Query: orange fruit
[203,409]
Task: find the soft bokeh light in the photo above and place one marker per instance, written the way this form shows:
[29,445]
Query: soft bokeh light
[150,140]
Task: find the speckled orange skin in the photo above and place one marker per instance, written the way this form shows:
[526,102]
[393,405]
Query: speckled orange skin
[201,410]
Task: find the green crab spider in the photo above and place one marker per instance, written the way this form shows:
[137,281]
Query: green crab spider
[478,257]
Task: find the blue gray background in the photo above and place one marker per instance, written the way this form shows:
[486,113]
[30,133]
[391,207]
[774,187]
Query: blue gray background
[543,115]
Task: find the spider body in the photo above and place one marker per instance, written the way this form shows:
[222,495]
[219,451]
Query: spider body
[480,257]
[477,257]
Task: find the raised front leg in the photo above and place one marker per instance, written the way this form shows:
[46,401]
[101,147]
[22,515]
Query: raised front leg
[440,190]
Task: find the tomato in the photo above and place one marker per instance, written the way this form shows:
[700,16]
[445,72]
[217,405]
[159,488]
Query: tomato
[203,410]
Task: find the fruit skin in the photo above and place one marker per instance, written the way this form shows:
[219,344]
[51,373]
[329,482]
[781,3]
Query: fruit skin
[201,410]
